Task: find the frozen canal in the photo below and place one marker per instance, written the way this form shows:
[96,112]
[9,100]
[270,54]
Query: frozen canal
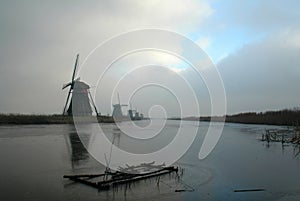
[34,159]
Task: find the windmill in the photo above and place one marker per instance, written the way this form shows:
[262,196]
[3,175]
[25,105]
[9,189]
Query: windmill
[134,114]
[117,111]
[80,91]
[130,112]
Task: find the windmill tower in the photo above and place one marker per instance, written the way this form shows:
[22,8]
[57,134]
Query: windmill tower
[81,94]
[117,111]
[130,112]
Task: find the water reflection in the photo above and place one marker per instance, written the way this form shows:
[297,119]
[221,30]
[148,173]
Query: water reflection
[116,136]
[284,147]
[77,152]
[296,151]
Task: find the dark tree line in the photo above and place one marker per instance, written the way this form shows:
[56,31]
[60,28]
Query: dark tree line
[290,117]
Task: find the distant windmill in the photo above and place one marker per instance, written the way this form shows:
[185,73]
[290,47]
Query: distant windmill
[117,111]
[134,114]
[80,91]
[130,112]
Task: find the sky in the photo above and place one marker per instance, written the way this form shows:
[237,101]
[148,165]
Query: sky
[254,44]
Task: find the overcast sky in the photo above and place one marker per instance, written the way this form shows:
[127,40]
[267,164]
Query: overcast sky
[255,45]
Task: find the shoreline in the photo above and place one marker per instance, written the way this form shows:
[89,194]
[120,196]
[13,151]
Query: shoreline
[279,118]
[24,119]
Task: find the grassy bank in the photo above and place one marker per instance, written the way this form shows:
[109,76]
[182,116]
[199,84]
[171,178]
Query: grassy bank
[43,119]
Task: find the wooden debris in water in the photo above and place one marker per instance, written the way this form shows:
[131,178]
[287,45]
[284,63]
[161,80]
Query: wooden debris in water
[282,135]
[248,190]
[112,179]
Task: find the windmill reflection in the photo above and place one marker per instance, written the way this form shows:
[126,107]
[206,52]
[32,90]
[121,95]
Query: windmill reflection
[77,152]
[116,136]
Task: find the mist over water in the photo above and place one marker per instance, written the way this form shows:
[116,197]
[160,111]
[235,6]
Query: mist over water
[34,159]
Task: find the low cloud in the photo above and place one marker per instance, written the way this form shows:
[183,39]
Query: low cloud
[263,75]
